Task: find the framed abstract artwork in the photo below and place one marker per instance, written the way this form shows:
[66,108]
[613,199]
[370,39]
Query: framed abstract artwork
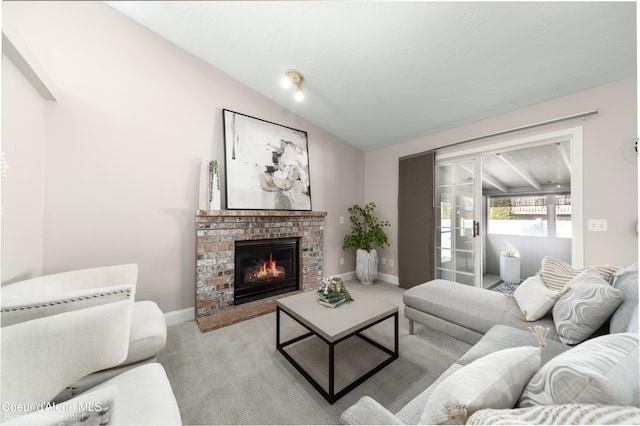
[267,165]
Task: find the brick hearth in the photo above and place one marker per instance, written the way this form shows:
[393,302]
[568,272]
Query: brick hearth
[216,234]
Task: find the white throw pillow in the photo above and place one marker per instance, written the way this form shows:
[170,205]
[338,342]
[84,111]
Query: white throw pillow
[534,298]
[603,370]
[586,303]
[493,381]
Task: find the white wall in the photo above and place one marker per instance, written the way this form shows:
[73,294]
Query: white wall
[123,145]
[610,168]
[22,189]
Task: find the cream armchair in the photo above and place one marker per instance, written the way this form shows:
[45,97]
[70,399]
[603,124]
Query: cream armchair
[40,356]
[70,291]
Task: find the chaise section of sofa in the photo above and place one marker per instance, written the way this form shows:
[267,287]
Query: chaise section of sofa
[465,312]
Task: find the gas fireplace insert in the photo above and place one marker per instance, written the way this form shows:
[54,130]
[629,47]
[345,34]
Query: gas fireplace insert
[265,268]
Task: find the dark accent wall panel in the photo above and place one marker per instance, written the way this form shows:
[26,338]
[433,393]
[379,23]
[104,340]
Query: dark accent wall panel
[416,220]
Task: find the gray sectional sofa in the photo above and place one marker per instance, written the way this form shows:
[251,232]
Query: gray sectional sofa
[492,322]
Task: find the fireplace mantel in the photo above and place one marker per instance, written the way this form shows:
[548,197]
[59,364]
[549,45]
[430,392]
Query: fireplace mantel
[259,213]
[216,234]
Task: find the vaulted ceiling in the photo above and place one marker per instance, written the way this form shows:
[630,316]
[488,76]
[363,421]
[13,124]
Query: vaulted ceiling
[379,73]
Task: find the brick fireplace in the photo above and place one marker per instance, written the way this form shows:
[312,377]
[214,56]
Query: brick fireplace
[216,234]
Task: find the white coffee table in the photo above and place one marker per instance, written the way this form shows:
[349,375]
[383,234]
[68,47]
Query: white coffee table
[333,326]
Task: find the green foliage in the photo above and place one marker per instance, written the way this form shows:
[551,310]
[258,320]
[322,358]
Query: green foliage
[500,209]
[445,210]
[366,229]
[501,213]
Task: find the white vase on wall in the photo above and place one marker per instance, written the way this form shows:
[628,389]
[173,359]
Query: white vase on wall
[214,185]
[366,266]
[209,191]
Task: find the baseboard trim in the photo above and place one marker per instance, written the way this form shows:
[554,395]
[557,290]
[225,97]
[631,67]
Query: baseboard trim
[391,279]
[347,276]
[178,317]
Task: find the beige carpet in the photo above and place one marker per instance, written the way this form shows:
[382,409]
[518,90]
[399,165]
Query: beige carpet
[235,375]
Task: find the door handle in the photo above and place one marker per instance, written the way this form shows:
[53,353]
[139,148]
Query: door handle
[476,228]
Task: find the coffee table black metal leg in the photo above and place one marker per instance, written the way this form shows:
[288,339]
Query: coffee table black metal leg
[277,327]
[396,334]
[331,374]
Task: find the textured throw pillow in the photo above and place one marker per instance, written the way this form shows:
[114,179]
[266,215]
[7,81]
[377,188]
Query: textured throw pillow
[534,298]
[603,370]
[572,414]
[586,303]
[493,381]
[556,274]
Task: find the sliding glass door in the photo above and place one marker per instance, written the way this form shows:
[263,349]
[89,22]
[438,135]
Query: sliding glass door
[533,183]
[458,215]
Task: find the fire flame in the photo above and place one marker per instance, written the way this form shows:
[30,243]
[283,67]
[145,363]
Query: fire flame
[269,269]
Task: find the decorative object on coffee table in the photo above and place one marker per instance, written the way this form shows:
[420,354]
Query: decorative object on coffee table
[267,165]
[366,231]
[333,293]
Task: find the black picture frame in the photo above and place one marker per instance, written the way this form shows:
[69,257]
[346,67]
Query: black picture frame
[266,165]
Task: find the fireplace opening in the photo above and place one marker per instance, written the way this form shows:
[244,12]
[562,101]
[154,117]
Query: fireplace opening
[265,268]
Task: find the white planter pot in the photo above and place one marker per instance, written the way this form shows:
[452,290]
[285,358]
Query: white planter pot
[366,266]
[510,269]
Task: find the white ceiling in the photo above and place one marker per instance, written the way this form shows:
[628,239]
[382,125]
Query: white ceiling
[537,169]
[382,72]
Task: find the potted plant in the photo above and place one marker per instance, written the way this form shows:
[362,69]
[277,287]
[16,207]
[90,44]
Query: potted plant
[366,231]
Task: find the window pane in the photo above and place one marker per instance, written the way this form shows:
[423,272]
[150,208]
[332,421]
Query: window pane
[444,211]
[464,261]
[463,172]
[563,216]
[444,175]
[443,259]
[464,279]
[445,275]
[443,238]
[518,216]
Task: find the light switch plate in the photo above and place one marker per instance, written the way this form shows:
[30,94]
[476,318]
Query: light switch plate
[597,225]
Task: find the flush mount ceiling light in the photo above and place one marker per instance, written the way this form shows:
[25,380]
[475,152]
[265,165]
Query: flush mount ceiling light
[293,78]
